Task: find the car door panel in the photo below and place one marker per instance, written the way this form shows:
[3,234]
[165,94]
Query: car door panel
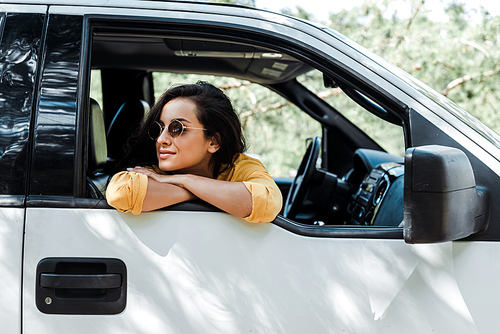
[191,272]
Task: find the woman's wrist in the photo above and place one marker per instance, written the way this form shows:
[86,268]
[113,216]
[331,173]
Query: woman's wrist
[181,180]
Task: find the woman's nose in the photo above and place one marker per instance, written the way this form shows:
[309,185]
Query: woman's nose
[164,137]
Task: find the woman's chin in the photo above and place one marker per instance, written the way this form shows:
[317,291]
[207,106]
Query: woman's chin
[165,166]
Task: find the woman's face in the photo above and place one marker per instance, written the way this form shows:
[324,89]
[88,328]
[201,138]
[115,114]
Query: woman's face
[189,153]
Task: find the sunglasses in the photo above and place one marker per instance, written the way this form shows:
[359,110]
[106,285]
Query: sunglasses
[174,129]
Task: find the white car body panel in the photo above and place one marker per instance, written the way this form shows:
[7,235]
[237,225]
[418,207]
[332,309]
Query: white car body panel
[8,8]
[11,250]
[192,272]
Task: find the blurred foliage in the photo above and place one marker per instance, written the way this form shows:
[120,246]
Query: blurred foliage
[458,56]
[301,13]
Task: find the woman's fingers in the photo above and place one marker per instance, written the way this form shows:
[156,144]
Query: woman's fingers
[142,170]
[150,173]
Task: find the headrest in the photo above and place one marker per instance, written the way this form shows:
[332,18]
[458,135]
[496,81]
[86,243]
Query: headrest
[97,147]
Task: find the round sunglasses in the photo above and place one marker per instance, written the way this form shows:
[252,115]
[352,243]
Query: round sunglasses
[174,129]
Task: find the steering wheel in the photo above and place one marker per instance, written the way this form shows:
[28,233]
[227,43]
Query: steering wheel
[303,179]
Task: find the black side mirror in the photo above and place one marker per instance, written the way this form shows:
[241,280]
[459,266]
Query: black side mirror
[441,200]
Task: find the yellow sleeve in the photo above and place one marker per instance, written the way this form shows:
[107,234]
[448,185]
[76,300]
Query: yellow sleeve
[266,200]
[126,191]
[266,196]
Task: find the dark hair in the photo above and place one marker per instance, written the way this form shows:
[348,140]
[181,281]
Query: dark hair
[213,110]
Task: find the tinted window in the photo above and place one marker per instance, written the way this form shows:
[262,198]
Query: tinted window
[55,129]
[19,55]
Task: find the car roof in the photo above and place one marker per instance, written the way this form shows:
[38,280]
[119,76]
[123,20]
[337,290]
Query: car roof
[175,53]
[143,4]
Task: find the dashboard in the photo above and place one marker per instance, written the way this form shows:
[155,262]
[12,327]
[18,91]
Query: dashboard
[378,199]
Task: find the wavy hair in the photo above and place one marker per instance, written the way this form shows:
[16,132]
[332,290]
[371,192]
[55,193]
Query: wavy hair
[214,111]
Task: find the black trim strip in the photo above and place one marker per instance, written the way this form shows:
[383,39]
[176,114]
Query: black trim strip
[90,203]
[36,101]
[83,90]
[12,201]
[37,201]
[339,231]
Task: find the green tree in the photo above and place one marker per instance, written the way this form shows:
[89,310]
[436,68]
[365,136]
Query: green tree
[459,58]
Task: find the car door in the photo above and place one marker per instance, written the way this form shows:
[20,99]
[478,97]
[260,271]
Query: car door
[190,269]
[21,28]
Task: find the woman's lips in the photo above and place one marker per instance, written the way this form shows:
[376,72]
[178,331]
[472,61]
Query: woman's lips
[164,154]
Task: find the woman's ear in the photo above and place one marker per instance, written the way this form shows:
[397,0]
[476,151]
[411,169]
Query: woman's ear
[214,144]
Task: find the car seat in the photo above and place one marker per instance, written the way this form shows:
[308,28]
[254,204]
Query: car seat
[126,122]
[97,152]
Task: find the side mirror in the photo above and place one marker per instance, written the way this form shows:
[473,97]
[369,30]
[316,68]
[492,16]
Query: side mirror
[441,200]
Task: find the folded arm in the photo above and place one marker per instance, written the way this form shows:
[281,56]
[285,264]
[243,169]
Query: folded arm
[231,197]
[160,195]
[255,198]
[135,192]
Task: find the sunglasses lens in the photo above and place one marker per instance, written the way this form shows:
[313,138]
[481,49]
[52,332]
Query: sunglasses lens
[175,129]
[155,131]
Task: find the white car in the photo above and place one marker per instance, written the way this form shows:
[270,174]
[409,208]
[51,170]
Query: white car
[368,241]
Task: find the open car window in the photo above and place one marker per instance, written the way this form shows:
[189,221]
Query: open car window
[284,102]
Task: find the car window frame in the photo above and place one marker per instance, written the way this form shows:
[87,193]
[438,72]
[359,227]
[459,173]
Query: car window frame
[94,20]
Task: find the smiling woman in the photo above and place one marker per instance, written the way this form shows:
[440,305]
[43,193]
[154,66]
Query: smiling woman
[199,156]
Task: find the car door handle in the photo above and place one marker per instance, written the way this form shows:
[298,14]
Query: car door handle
[66,281]
[81,285]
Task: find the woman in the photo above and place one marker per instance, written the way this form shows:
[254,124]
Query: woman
[192,138]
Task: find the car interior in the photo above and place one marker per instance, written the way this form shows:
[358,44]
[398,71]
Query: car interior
[345,177]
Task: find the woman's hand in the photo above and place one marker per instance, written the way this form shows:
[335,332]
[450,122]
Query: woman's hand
[161,193]
[175,179]
[150,172]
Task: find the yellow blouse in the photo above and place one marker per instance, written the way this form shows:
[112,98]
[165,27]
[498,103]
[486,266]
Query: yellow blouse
[127,190]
